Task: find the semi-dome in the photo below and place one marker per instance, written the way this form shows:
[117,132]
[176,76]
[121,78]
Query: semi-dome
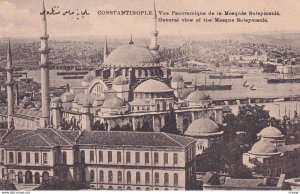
[264,147]
[89,77]
[196,96]
[152,86]
[270,132]
[177,78]
[26,100]
[203,127]
[82,99]
[120,80]
[56,99]
[114,102]
[130,56]
[67,97]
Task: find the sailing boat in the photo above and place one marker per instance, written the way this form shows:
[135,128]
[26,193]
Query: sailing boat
[252,87]
[246,84]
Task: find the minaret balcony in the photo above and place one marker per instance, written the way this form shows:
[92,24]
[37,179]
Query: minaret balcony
[155,33]
[9,70]
[44,50]
[9,83]
[44,37]
[47,65]
[154,47]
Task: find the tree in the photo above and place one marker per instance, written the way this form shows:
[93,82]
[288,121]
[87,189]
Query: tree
[146,127]
[249,121]
[170,123]
[56,183]
[240,171]
[116,128]
[98,126]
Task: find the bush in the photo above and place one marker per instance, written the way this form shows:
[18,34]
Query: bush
[56,183]
[7,185]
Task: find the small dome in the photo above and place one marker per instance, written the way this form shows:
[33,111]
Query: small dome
[152,86]
[196,96]
[26,100]
[85,102]
[89,77]
[203,127]
[83,99]
[120,80]
[56,99]
[68,96]
[270,132]
[131,56]
[177,78]
[114,102]
[264,147]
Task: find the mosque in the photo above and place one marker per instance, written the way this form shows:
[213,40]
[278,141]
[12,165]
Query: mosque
[269,151]
[130,90]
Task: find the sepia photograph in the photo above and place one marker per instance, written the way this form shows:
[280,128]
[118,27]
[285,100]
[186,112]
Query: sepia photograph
[149,95]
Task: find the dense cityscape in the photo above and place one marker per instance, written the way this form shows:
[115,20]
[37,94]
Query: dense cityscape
[115,114]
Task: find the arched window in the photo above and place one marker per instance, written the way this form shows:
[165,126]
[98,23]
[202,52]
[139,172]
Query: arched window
[175,179]
[156,177]
[11,175]
[20,177]
[92,176]
[158,107]
[101,176]
[28,177]
[37,178]
[164,106]
[45,176]
[119,177]
[147,178]
[138,178]
[129,177]
[166,179]
[110,176]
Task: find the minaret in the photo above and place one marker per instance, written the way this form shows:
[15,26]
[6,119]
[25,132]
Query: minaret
[105,50]
[9,85]
[131,40]
[153,45]
[44,65]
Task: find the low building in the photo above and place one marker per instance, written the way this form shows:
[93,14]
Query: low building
[104,160]
[213,181]
[206,132]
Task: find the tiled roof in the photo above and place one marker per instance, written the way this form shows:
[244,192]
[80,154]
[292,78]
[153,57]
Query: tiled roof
[244,183]
[35,140]
[70,135]
[55,137]
[52,138]
[131,138]
[2,132]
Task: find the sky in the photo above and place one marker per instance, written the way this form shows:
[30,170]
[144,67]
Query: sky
[21,18]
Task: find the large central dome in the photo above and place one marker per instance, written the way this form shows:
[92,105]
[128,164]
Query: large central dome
[131,56]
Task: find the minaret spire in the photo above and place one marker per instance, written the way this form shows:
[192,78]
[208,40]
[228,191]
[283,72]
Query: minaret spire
[131,41]
[105,50]
[153,45]
[44,20]
[9,85]
[155,16]
[44,66]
